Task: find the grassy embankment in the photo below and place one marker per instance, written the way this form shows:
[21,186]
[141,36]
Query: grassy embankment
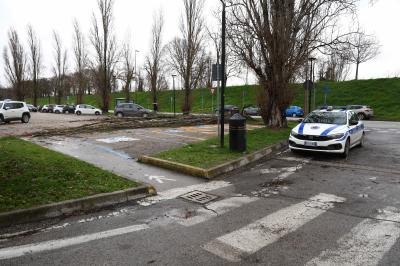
[381,94]
[31,176]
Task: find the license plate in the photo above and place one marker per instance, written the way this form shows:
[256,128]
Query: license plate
[310,143]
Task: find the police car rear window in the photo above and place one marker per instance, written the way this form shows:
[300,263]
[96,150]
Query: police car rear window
[334,118]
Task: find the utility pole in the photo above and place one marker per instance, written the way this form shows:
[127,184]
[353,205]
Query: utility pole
[223,59]
[173,86]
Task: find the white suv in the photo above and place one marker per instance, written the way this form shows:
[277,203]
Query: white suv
[14,111]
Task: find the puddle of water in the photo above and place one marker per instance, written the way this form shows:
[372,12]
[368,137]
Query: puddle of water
[117,140]
[174,131]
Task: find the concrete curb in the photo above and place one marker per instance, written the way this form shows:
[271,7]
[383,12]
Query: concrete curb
[70,207]
[217,170]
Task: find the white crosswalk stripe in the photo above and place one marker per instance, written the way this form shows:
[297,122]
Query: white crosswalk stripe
[365,244]
[259,234]
[14,252]
[215,209]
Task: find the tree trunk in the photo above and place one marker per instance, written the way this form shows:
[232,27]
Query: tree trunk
[357,67]
[272,106]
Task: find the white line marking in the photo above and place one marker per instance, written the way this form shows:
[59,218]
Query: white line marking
[18,251]
[257,235]
[178,135]
[176,192]
[365,244]
[215,209]
[159,179]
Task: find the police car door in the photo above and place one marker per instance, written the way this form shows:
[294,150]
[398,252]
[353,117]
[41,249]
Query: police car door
[355,129]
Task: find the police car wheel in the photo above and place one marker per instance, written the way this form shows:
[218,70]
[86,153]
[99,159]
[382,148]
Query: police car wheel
[346,152]
[362,140]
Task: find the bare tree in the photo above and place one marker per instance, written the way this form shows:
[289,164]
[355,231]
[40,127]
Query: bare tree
[104,42]
[35,62]
[81,61]
[188,57]
[233,64]
[154,65]
[362,48]
[59,68]
[15,64]
[128,69]
[275,37]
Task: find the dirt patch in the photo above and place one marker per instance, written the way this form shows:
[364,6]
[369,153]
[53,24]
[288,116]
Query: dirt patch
[112,124]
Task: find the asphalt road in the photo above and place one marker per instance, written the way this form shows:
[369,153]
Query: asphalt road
[291,210]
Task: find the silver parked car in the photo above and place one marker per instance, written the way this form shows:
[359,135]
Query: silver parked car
[131,109]
[363,111]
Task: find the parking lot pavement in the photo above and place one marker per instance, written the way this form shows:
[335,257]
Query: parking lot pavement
[118,151]
[309,209]
[45,121]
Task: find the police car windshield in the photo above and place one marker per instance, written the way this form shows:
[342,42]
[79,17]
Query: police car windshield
[334,118]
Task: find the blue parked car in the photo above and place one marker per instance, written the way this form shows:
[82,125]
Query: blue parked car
[294,111]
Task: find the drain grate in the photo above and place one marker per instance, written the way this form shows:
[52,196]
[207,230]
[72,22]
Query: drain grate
[198,197]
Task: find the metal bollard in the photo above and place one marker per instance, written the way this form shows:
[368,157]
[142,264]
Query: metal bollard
[237,133]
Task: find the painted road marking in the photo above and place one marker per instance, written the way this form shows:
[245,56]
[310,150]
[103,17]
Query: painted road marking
[215,209]
[18,251]
[159,179]
[257,235]
[366,244]
[176,192]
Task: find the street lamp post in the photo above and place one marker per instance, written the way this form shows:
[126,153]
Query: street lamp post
[173,87]
[136,80]
[311,59]
[223,85]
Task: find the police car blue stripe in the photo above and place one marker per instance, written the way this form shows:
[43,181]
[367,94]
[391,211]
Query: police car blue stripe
[301,128]
[327,131]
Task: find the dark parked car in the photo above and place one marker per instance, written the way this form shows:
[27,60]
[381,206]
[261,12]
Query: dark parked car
[131,109]
[251,111]
[32,108]
[50,108]
[228,110]
[69,109]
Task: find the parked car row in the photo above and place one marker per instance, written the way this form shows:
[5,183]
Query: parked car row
[363,112]
[81,109]
[292,111]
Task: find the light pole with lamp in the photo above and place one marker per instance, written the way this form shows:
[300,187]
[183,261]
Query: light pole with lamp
[136,79]
[223,83]
[311,59]
[173,87]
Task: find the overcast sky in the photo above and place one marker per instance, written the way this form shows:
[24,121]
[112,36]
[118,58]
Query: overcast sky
[133,19]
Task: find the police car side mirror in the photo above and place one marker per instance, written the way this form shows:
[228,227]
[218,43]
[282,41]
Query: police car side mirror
[6,108]
[300,120]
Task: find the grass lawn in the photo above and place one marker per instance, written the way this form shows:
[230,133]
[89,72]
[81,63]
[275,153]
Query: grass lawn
[206,154]
[31,175]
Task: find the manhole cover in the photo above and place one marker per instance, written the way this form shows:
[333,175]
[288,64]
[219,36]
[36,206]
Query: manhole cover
[199,197]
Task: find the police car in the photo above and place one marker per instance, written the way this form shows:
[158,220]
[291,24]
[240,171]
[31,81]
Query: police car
[332,131]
